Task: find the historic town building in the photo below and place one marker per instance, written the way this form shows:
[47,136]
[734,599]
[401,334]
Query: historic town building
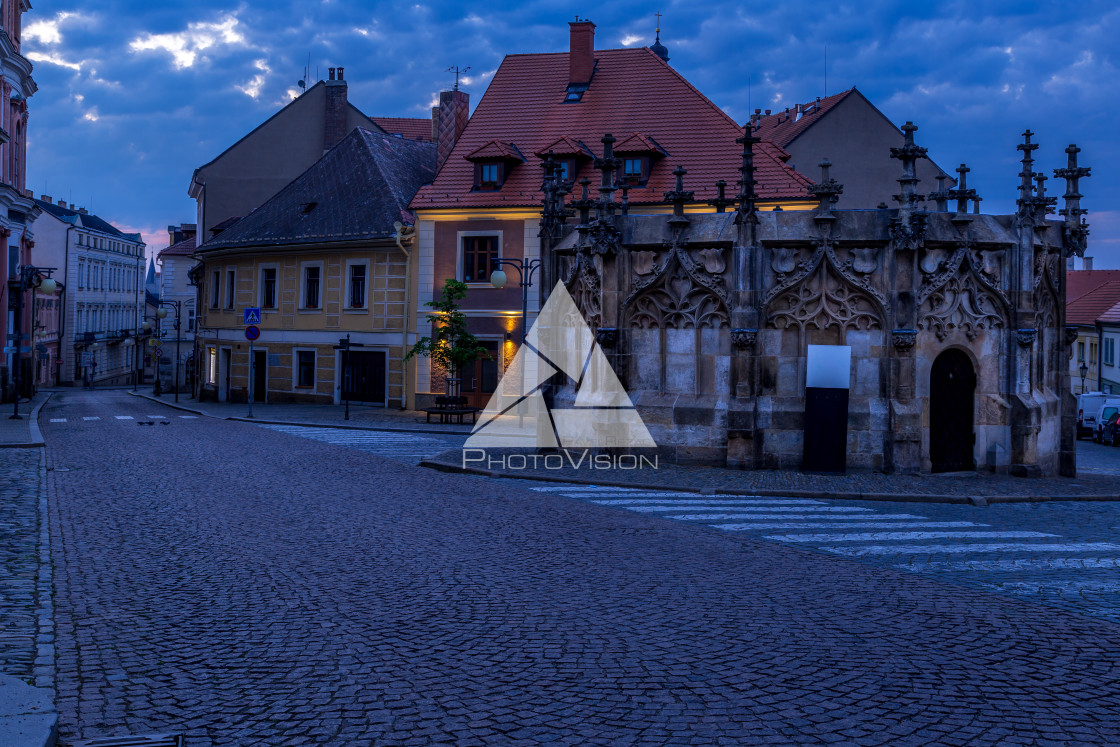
[327,258]
[102,305]
[484,203]
[17,209]
[1089,294]
[847,128]
[954,320]
[178,294]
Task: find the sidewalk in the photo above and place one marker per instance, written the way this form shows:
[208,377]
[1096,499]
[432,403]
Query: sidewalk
[969,487]
[327,416]
[22,433]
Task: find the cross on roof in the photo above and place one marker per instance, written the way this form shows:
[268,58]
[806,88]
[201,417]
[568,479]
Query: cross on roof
[658,14]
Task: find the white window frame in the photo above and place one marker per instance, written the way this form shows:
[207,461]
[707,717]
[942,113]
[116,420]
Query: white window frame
[260,286]
[346,287]
[216,289]
[459,236]
[231,288]
[303,266]
[296,387]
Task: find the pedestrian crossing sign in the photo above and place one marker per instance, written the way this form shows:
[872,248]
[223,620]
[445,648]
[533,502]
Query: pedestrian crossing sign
[253,316]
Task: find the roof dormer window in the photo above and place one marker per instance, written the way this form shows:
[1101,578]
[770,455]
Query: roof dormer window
[488,175]
[492,164]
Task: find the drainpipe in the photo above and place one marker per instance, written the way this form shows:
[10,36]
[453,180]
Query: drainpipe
[407,311]
[1100,355]
[62,309]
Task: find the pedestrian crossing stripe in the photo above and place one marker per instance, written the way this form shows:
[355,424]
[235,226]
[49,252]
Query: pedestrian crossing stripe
[843,525]
[748,509]
[189,417]
[123,417]
[92,418]
[58,420]
[973,547]
[627,502]
[1015,564]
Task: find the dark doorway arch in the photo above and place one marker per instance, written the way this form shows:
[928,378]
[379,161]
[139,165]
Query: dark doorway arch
[952,392]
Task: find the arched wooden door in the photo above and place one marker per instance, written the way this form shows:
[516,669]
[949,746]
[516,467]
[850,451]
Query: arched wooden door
[952,387]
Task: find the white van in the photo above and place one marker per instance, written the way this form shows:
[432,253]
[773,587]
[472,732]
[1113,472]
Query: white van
[1087,406]
[1107,409]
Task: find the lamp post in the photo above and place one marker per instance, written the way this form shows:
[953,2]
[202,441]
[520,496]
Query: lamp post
[1083,369]
[161,312]
[30,277]
[525,271]
[146,332]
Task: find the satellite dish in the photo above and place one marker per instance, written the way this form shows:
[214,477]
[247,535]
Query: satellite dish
[302,84]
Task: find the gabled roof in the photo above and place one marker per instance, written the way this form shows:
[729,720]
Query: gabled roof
[784,127]
[407,127]
[1089,306]
[636,142]
[354,192]
[186,247]
[87,220]
[496,149]
[632,90]
[565,146]
[1080,282]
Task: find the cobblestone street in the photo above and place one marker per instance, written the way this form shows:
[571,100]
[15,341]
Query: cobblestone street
[19,560]
[243,585]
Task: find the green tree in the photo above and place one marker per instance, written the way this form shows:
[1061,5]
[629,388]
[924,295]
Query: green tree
[451,347]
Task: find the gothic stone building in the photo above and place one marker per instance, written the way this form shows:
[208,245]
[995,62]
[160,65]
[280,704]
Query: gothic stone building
[955,320]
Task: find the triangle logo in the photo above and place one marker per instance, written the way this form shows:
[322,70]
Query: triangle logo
[560,343]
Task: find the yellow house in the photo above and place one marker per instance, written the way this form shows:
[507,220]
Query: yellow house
[325,259]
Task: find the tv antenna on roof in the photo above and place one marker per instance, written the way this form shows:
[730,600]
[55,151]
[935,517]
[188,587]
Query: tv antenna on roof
[457,72]
[306,69]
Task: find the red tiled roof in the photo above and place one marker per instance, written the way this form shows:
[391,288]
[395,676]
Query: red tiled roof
[782,128]
[1112,316]
[183,248]
[632,90]
[407,127]
[1089,306]
[636,143]
[564,146]
[495,149]
[1080,282]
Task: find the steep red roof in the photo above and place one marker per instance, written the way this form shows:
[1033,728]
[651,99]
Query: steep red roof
[1089,306]
[407,127]
[783,127]
[495,149]
[183,248]
[632,91]
[1080,282]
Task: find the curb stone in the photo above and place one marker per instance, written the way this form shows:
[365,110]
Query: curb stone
[27,714]
[978,501]
[33,427]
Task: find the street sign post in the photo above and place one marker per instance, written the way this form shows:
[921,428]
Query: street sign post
[344,345]
[158,352]
[252,333]
[252,316]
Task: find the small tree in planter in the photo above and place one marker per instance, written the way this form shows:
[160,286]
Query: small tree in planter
[451,346]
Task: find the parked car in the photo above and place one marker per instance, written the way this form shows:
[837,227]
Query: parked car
[1109,434]
[1110,407]
[1087,406]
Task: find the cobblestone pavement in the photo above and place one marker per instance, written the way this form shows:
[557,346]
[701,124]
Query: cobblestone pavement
[409,448]
[1098,459]
[1063,554]
[245,586]
[19,561]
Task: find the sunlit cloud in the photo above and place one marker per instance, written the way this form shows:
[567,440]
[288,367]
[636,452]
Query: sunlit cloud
[630,39]
[185,46]
[252,89]
[91,115]
[47,31]
[54,59]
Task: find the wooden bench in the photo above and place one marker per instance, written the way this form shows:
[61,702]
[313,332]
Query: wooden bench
[452,409]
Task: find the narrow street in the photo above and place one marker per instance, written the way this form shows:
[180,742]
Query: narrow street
[244,585]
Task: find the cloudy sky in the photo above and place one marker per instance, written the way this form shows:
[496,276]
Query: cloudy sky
[134,95]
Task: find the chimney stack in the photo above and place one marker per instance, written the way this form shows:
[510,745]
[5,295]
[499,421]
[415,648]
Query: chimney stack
[454,112]
[334,123]
[45,198]
[83,211]
[1086,263]
[62,203]
[581,58]
[435,124]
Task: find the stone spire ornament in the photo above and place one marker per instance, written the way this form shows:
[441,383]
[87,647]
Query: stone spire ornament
[1076,229]
[721,202]
[827,192]
[909,154]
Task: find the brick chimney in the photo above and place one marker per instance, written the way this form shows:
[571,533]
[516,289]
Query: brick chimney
[454,112]
[334,123]
[435,124]
[1086,263]
[581,58]
[45,198]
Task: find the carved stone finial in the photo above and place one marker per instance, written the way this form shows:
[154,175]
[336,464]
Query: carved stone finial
[743,338]
[747,195]
[904,339]
[584,203]
[941,195]
[721,202]
[678,196]
[962,194]
[607,337]
[1076,231]
[827,192]
[1025,337]
[909,154]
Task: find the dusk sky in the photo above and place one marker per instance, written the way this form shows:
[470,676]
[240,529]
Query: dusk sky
[133,96]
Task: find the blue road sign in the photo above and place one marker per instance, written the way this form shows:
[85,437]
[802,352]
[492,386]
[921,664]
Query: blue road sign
[253,316]
[252,333]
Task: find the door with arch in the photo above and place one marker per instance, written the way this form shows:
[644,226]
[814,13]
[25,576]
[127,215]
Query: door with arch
[952,394]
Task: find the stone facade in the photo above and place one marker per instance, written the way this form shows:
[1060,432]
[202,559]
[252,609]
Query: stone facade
[710,316]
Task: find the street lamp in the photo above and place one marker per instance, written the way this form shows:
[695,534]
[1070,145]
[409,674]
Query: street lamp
[525,270]
[30,277]
[1084,370]
[161,312]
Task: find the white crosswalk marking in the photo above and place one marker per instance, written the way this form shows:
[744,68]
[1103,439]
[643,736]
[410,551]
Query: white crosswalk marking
[58,420]
[1016,564]
[973,547]
[123,417]
[657,502]
[887,536]
[745,510]
[94,417]
[189,417]
[841,525]
[1062,587]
